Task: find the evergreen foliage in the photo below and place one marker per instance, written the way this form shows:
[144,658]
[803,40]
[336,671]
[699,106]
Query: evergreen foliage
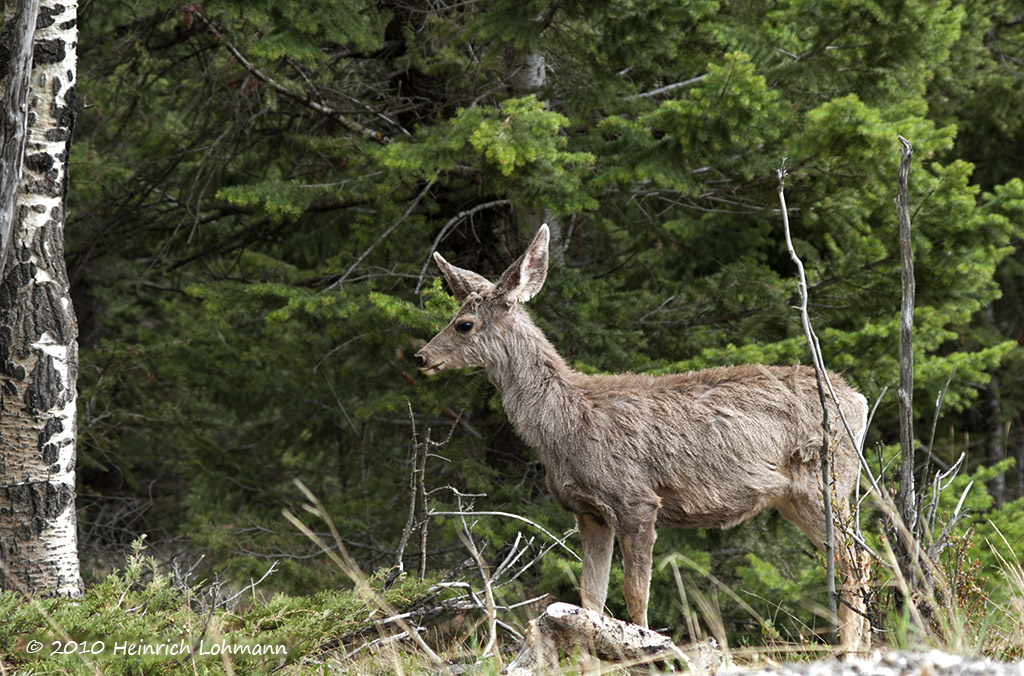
[250,244]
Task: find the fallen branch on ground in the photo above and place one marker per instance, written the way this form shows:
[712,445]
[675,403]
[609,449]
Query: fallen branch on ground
[564,629]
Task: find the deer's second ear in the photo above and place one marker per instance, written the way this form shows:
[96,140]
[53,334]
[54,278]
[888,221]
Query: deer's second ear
[525,278]
[461,282]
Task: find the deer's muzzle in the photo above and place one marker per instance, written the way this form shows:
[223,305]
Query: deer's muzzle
[423,363]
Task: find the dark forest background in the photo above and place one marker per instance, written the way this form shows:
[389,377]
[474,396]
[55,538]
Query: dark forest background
[256,188]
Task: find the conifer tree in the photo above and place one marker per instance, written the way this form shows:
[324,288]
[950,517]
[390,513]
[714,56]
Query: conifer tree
[261,184]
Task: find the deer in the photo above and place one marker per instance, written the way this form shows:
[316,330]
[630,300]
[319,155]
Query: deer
[629,453]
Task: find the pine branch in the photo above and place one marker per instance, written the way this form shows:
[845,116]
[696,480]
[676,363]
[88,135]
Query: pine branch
[301,97]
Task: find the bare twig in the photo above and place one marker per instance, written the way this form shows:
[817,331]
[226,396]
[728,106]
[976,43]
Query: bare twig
[826,459]
[929,520]
[383,640]
[452,222]
[251,586]
[410,522]
[930,512]
[514,554]
[418,490]
[509,515]
[383,236]
[466,536]
[667,88]
[863,460]
[421,496]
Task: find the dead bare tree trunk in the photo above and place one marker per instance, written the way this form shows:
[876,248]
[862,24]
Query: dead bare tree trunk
[995,445]
[16,44]
[906,500]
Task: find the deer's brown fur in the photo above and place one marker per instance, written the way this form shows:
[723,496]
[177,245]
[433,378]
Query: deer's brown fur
[630,453]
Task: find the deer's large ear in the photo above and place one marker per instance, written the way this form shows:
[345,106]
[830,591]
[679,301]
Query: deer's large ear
[524,278]
[462,282]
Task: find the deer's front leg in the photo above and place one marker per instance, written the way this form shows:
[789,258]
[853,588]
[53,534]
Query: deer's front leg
[598,540]
[636,539]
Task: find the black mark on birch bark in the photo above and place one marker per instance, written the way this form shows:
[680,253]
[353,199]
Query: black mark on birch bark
[50,453]
[53,426]
[39,162]
[48,15]
[34,506]
[48,51]
[5,344]
[45,387]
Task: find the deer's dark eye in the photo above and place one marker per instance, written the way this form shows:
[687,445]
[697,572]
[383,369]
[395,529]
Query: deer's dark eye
[464,327]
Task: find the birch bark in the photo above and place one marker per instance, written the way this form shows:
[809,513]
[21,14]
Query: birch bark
[19,27]
[38,333]
[529,78]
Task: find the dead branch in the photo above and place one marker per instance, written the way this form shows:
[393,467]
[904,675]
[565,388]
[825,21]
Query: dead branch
[905,394]
[383,236]
[664,90]
[18,30]
[466,537]
[819,368]
[410,523]
[559,541]
[305,98]
[452,222]
[421,493]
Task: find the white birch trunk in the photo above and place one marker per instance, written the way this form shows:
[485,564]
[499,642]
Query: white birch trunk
[38,335]
[530,77]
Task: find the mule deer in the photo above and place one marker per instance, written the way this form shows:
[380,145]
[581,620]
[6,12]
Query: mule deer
[628,453]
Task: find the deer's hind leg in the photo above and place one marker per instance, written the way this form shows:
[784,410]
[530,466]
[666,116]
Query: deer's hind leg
[598,540]
[808,514]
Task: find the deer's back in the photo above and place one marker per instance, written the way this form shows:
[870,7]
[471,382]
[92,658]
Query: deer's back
[709,447]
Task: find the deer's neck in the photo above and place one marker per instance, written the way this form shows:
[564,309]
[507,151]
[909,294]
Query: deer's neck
[537,388]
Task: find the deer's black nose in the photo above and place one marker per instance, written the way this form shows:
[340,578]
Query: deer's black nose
[420,360]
